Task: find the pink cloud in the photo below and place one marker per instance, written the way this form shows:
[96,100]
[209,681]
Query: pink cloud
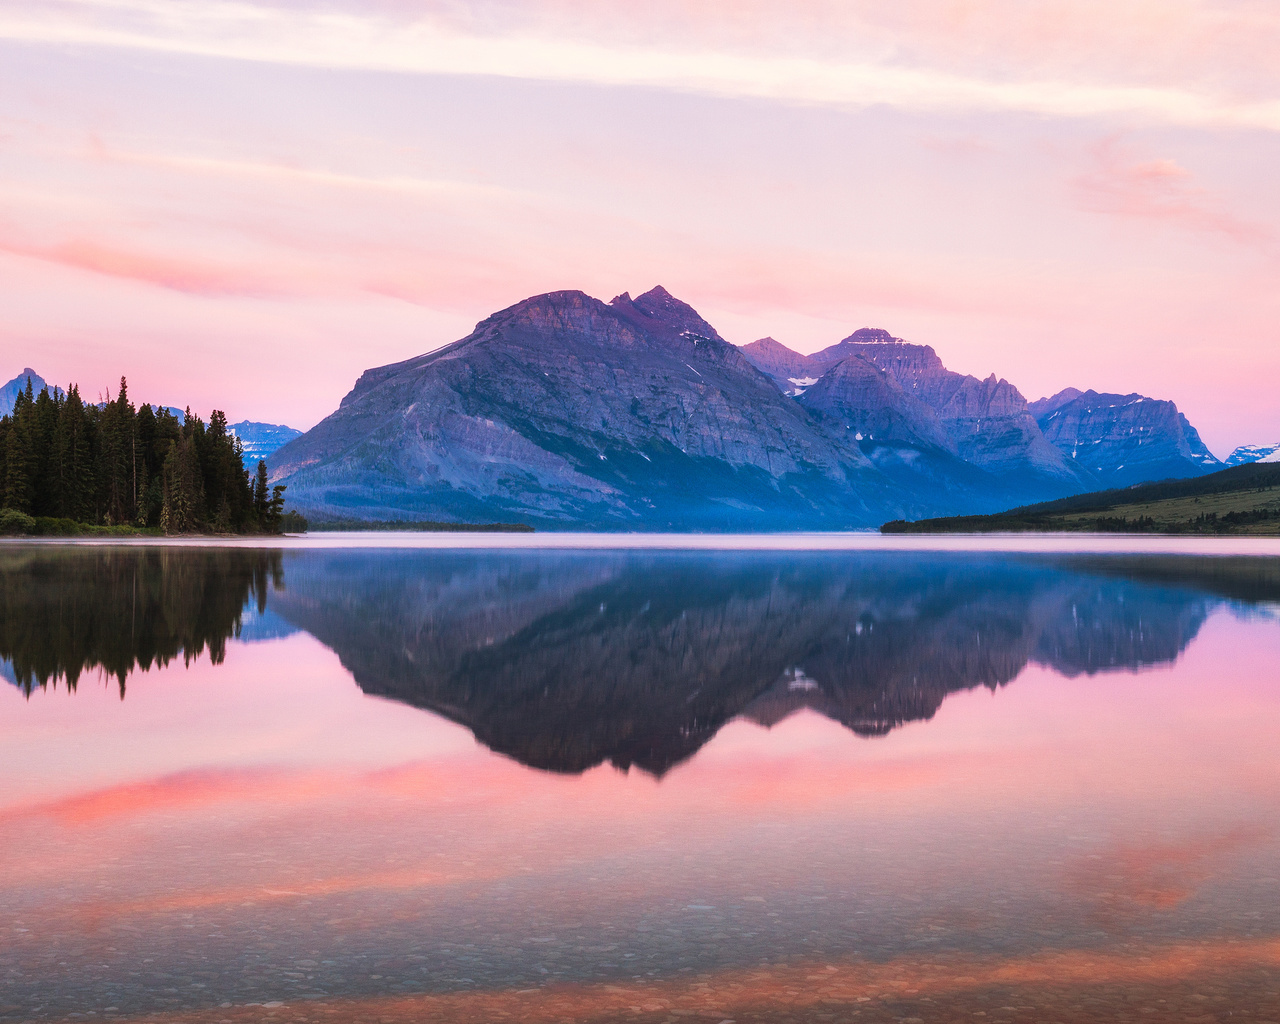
[191,276]
[1159,190]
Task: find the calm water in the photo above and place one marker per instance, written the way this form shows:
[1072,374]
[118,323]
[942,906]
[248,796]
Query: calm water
[403,784]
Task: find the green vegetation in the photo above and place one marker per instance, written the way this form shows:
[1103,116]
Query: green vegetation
[1243,500]
[421,525]
[71,468]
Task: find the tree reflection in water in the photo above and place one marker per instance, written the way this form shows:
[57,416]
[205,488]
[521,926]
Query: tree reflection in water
[566,660]
[66,611]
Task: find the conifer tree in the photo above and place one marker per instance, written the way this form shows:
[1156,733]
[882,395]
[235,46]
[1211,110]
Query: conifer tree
[112,464]
[261,501]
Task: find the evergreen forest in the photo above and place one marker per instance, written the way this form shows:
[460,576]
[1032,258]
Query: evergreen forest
[65,463]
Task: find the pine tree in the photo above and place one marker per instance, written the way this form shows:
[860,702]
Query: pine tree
[261,501]
[275,509]
[15,483]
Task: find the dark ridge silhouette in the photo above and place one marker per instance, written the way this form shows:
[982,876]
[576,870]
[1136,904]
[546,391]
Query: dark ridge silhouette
[567,661]
[64,612]
[564,661]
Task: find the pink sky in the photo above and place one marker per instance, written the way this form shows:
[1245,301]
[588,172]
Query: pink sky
[245,204]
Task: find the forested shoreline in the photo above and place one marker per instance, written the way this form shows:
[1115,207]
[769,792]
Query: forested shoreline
[66,462]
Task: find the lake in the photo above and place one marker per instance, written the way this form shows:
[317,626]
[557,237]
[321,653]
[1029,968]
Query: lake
[393,779]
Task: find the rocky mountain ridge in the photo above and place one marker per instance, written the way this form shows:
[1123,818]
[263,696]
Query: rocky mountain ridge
[261,440]
[563,410]
[1248,453]
[1123,439]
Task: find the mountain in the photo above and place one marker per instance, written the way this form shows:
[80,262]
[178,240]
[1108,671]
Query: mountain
[10,391]
[791,371]
[1124,439]
[1248,453]
[261,440]
[915,411]
[987,421]
[565,410]
[907,441]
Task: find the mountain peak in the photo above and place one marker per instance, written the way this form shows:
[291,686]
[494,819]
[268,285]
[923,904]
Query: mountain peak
[10,390]
[872,336]
[658,307]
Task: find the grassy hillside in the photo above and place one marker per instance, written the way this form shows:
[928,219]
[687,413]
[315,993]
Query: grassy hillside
[1242,500]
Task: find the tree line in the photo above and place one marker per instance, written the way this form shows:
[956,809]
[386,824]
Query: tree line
[112,464]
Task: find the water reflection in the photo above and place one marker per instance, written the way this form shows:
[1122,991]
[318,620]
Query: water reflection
[249,838]
[564,661]
[64,612]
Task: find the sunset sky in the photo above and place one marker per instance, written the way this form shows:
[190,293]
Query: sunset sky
[244,203]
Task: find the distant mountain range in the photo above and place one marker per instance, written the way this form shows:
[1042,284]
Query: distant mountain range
[262,440]
[565,411]
[1247,453]
[259,439]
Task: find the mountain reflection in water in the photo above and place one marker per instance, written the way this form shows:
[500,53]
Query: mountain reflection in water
[564,661]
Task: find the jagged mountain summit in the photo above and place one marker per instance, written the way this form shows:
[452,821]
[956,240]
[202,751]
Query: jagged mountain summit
[907,410]
[9,391]
[1124,439]
[565,410]
[1248,453]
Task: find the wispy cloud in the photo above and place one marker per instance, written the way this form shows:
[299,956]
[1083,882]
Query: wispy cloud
[431,44]
[1159,190]
[176,273]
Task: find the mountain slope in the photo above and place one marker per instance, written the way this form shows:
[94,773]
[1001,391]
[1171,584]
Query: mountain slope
[1124,439]
[790,370]
[906,440]
[261,440]
[1239,500]
[1248,453]
[565,410]
[10,391]
[985,423]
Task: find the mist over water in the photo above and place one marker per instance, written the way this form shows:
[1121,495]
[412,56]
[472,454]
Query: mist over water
[627,784]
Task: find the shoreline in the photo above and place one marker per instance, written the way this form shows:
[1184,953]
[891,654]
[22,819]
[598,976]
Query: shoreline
[854,542]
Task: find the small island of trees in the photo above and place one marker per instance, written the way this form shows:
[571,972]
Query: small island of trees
[66,464]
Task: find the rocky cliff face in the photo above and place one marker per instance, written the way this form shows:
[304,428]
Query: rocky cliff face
[871,405]
[791,371]
[564,409]
[984,423]
[987,421]
[1124,439]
